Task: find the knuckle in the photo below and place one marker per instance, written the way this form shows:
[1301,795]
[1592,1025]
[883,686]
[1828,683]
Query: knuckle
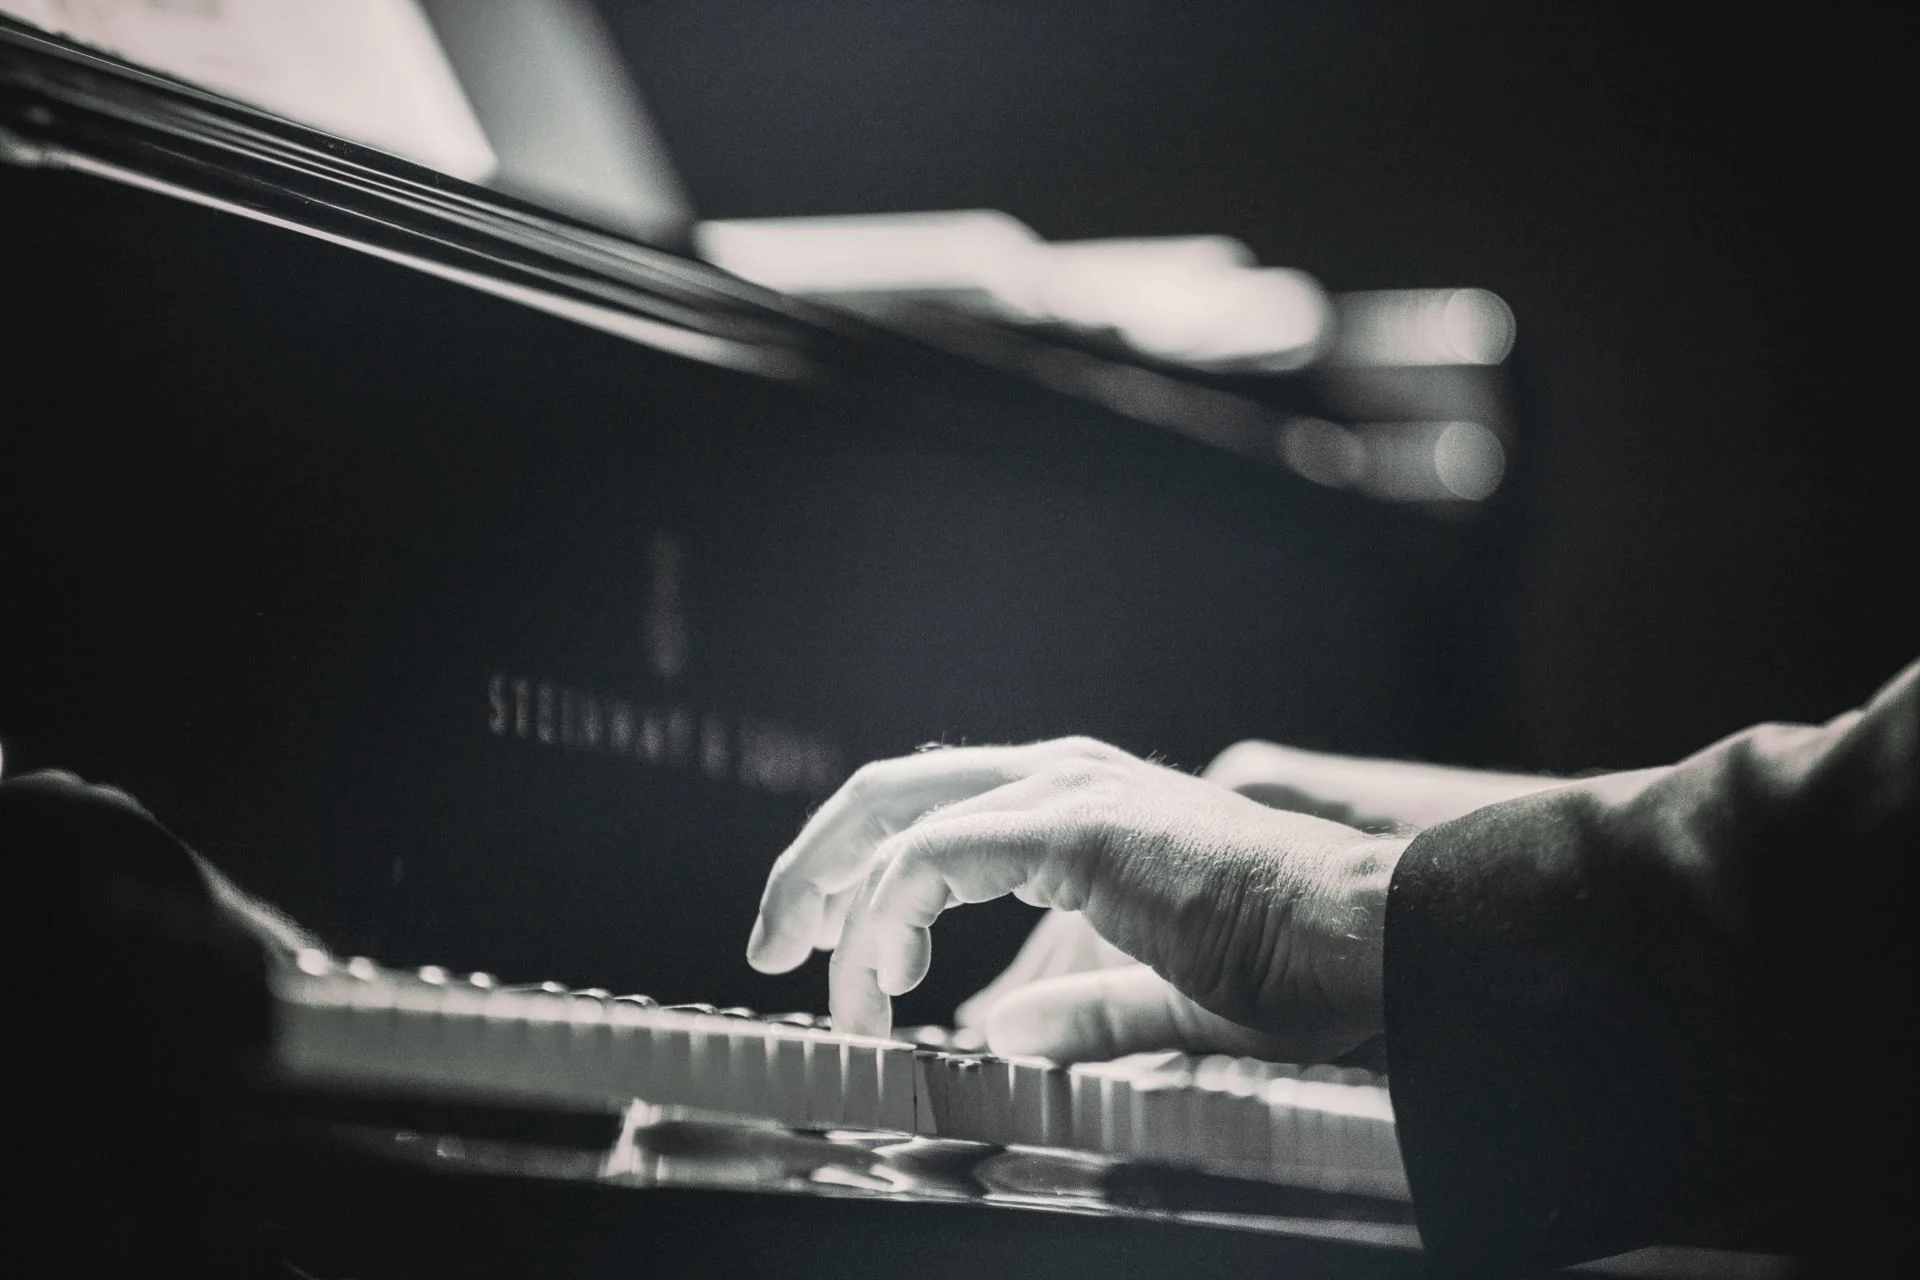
[1083,747]
[914,850]
[1088,782]
[784,868]
[875,828]
[865,782]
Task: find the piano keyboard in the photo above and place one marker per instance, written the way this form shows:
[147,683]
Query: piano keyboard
[356,1025]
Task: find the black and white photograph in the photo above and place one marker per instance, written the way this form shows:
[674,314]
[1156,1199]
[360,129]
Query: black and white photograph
[948,638]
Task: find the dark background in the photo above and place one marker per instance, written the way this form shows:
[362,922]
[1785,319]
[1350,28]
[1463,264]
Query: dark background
[296,506]
[1709,520]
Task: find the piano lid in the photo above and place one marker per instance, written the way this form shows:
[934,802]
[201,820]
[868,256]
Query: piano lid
[67,107]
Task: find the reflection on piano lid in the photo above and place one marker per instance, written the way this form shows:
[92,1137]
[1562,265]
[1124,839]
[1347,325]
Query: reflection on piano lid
[356,1026]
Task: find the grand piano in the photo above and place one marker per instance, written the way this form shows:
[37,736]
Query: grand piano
[495,594]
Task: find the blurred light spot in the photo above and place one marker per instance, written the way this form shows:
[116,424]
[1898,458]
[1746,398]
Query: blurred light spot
[1478,326]
[1468,460]
[1430,461]
[1324,452]
[1422,327]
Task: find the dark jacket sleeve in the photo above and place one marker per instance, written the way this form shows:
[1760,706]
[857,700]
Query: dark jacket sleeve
[1651,1007]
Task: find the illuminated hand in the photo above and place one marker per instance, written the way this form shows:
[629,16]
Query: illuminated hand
[1255,930]
[1373,795]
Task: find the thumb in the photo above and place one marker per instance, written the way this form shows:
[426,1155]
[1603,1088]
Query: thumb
[1109,1013]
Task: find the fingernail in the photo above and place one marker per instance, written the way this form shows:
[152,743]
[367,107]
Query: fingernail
[757,940]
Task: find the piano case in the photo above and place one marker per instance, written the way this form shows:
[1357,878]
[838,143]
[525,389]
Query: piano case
[488,591]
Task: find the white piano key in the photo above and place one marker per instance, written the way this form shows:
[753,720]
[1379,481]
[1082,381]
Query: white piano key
[1024,1119]
[953,1081]
[713,1073]
[631,1040]
[1353,1130]
[1254,1133]
[1056,1105]
[898,1112]
[1313,1134]
[671,1085]
[787,1093]
[1039,1113]
[491,1063]
[1156,1116]
[825,1108]
[747,1067]
[1116,1112]
[996,1121]
[1110,1124]
[1160,1074]
[860,1083]
[1364,1148]
[1283,1123]
[589,1053]
[1083,1100]
[1212,1119]
[929,1092]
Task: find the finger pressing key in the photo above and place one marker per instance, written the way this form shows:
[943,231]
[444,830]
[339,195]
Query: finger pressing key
[837,844]
[968,857]
[855,999]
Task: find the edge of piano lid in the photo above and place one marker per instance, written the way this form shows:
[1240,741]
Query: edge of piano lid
[67,107]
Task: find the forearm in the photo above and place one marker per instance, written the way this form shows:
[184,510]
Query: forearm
[1610,1005]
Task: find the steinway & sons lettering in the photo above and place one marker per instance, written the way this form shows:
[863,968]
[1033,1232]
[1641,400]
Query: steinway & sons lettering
[766,755]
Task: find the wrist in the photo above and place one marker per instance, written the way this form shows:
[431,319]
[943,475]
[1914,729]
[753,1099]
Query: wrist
[1325,967]
[1357,961]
